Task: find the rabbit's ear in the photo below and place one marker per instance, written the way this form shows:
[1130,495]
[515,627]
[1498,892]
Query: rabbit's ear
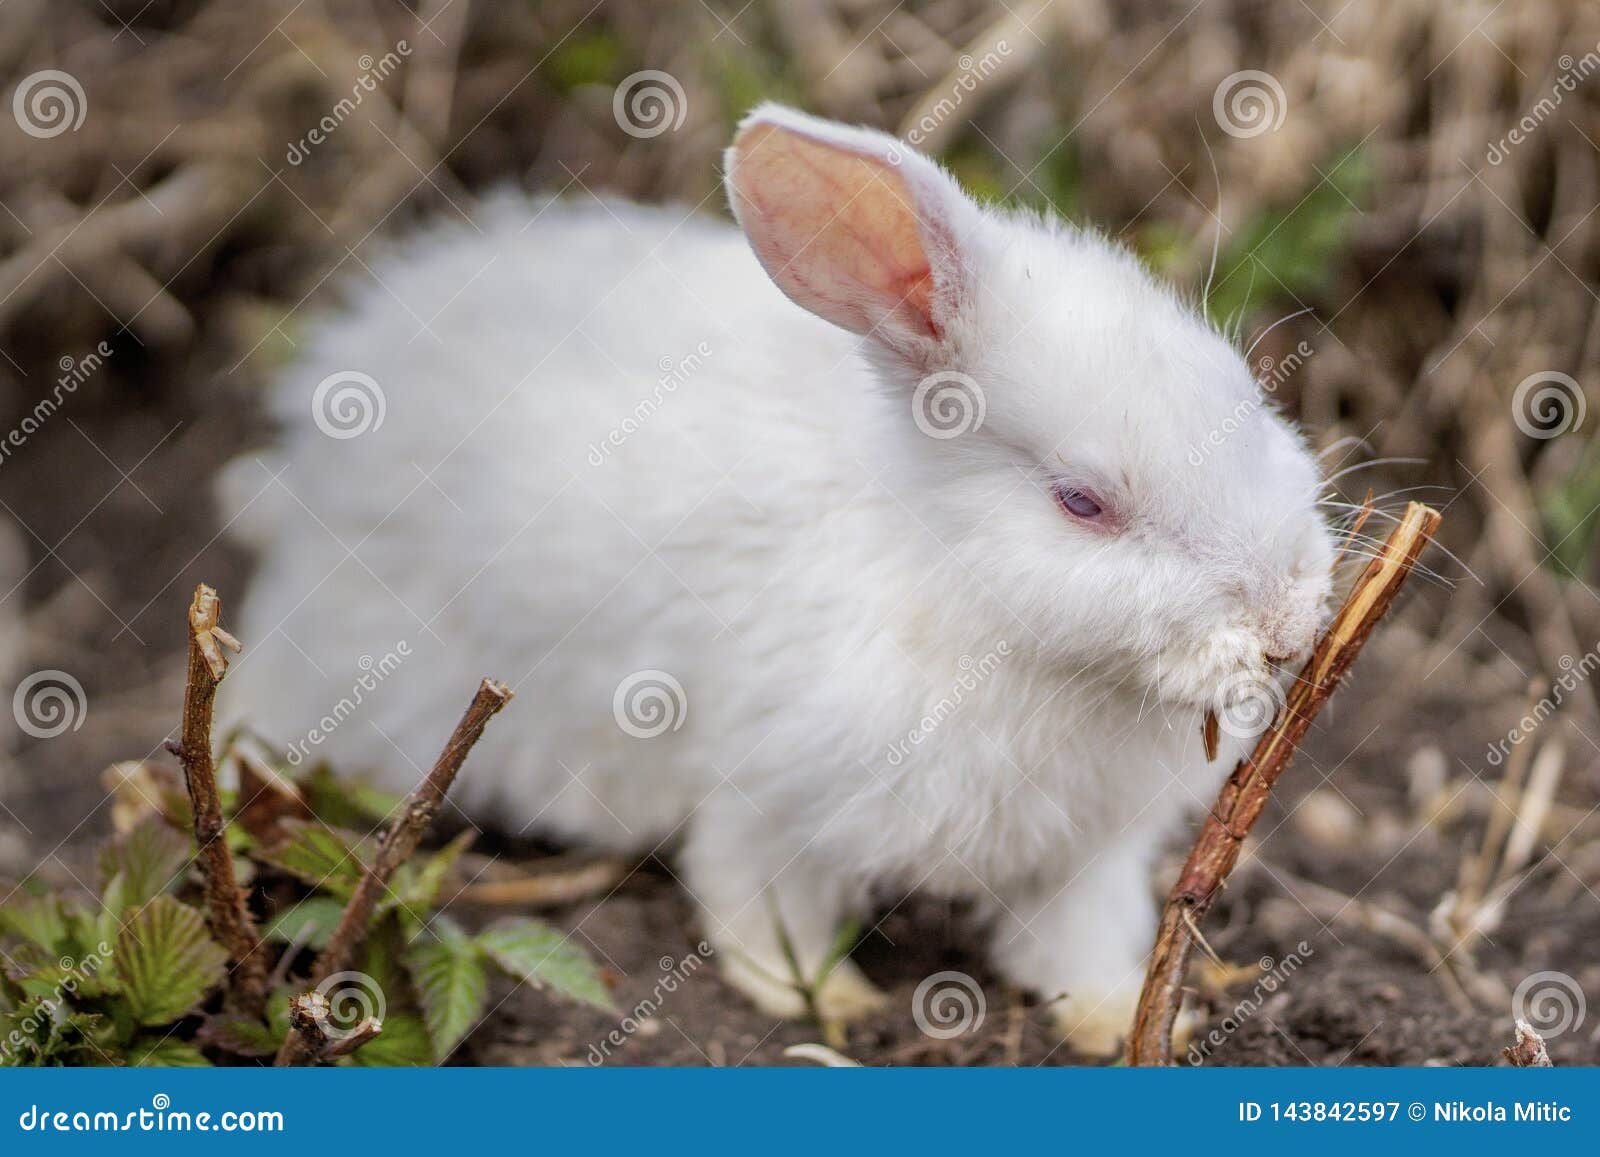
[853,225]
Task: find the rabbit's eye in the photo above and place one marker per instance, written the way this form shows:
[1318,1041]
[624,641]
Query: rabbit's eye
[1078,502]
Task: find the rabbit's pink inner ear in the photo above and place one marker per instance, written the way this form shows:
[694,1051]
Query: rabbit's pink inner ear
[835,229]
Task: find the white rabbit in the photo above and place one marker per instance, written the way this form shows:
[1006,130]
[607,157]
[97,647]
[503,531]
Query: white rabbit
[926,588]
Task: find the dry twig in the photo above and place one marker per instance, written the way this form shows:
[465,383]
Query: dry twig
[1245,794]
[396,846]
[308,1023]
[1529,1051]
[227,912]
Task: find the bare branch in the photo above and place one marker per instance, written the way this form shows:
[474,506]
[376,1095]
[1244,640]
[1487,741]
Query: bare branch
[227,912]
[397,844]
[1245,794]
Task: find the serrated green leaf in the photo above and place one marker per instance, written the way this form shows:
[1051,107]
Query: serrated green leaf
[242,1035]
[538,954]
[150,858]
[452,985]
[166,961]
[317,855]
[403,1042]
[40,920]
[310,922]
[152,1052]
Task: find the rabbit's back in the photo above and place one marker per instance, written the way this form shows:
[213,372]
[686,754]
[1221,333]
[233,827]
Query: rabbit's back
[541,448]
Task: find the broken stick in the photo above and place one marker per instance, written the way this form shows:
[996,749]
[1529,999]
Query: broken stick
[227,912]
[1246,792]
[395,847]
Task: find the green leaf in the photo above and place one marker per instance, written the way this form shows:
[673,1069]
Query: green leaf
[311,922]
[167,961]
[419,887]
[534,952]
[452,985]
[1292,252]
[151,1052]
[150,858]
[317,855]
[40,920]
[1571,509]
[346,802]
[381,959]
[242,1035]
[404,1041]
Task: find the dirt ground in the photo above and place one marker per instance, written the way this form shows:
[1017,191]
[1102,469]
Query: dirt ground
[1450,282]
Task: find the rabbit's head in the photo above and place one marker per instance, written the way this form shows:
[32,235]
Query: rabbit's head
[1098,461]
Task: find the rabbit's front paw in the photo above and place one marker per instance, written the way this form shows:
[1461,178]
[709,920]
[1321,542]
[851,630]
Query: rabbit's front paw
[844,995]
[1099,1026]
[1096,1024]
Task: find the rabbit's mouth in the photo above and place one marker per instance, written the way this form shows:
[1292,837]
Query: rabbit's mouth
[1230,673]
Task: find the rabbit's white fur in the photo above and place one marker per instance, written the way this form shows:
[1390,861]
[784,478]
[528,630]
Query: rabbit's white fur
[609,446]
